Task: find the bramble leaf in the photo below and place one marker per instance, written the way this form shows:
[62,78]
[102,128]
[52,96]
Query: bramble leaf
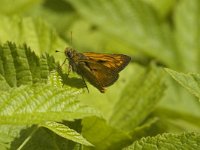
[189,81]
[139,98]
[66,132]
[167,141]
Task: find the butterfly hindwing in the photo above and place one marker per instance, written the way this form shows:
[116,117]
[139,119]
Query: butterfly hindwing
[97,74]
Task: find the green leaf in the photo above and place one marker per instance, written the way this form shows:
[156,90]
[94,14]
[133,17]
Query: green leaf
[168,141]
[17,6]
[66,132]
[163,7]
[106,102]
[59,13]
[41,139]
[139,98]
[187,23]
[176,121]
[189,81]
[102,135]
[3,82]
[185,26]
[34,32]
[139,25]
[8,134]
[20,66]
[148,128]
[126,114]
[32,94]
[33,105]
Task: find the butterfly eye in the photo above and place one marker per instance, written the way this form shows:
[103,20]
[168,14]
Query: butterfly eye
[69,52]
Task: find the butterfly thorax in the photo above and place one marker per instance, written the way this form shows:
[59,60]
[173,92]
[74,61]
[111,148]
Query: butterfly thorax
[74,58]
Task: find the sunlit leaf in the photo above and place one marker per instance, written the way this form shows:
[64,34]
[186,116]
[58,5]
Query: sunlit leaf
[138,98]
[66,132]
[189,81]
[168,141]
[34,32]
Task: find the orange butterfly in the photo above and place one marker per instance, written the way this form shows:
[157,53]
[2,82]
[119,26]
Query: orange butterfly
[101,70]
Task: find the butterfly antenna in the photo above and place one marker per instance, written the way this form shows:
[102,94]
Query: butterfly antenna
[71,39]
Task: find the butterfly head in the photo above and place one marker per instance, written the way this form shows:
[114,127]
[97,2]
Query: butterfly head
[70,52]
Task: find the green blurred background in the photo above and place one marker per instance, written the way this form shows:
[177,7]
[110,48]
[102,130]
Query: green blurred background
[166,31]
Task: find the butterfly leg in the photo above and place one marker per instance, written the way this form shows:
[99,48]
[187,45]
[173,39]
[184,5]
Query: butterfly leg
[69,70]
[64,62]
[85,83]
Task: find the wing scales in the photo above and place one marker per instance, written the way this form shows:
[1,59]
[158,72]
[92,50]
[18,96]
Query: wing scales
[113,61]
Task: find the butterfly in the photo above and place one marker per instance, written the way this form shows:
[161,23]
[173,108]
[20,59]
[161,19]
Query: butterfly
[100,70]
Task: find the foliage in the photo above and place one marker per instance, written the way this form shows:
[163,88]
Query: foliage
[147,108]
[168,141]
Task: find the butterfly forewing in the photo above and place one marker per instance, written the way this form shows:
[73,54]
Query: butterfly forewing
[115,62]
